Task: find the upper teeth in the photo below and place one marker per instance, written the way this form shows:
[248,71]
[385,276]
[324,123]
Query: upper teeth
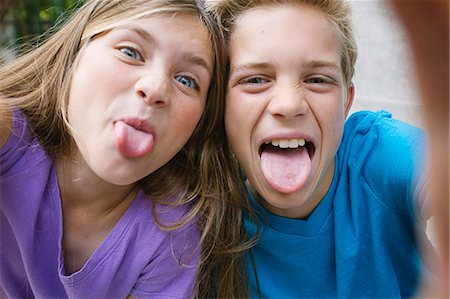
[287,143]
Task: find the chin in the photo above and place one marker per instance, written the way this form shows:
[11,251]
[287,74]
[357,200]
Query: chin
[119,178]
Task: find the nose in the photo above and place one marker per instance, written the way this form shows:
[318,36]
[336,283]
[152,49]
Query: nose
[288,102]
[153,88]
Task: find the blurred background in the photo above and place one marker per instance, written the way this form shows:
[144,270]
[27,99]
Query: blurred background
[384,77]
[23,20]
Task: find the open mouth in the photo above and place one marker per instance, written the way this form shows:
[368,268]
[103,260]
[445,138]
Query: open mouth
[287,163]
[288,145]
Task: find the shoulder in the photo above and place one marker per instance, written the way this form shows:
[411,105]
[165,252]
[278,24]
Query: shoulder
[155,225]
[21,149]
[169,255]
[387,154]
[5,123]
[370,135]
[381,123]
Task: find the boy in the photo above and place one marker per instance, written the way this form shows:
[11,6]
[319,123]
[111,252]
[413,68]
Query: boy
[339,205]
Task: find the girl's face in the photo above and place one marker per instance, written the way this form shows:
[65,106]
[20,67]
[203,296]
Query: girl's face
[137,94]
[286,105]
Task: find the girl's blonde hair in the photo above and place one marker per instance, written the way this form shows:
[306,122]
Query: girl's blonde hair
[338,12]
[202,175]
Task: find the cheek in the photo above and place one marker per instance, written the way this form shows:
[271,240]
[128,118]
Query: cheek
[76,96]
[82,85]
[238,110]
[238,127]
[188,116]
[99,75]
[232,119]
[81,104]
[337,133]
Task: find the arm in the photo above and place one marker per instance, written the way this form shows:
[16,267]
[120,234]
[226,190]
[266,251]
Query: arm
[426,25]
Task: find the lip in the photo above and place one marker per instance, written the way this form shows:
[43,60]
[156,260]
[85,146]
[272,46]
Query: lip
[137,123]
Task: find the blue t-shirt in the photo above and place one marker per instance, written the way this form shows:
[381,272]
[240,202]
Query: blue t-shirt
[360,241]
[137,257]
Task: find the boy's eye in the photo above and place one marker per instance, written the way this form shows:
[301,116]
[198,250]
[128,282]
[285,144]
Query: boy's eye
[316,80]
[131,53]
[253,80]
[187,81]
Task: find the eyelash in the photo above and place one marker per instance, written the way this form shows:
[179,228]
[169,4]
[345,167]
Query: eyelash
[250,79]
[131,50]
[311,80]
[321,79]
[192,81]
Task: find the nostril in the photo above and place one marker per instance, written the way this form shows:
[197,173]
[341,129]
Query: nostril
[142,94]
[152,96]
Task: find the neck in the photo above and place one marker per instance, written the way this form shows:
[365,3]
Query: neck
[91,208]
[80,188]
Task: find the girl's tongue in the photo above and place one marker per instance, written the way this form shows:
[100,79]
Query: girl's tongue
[132,142]
[286,169]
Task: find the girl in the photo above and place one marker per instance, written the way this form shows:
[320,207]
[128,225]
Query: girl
[112,155]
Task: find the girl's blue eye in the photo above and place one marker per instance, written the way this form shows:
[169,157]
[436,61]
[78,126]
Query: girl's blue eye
[187,81]
[131,53]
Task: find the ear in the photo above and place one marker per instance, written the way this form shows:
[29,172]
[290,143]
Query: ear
[349,100]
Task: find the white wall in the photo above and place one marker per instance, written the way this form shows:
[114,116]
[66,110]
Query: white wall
[384,75]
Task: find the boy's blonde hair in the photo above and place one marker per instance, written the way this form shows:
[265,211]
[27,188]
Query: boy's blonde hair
[202,175]
[338,12]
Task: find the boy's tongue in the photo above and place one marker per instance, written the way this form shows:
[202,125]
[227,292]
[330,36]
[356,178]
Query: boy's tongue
[131,142]
[286,169]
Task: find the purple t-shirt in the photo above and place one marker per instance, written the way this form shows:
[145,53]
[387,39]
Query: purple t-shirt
[136,258]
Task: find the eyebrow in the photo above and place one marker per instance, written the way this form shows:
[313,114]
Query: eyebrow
[144,34]
[307,64]
[314,64]
[192,58]
[251,65]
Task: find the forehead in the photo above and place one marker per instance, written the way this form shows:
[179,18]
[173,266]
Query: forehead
[181,35]
[186,29]
[284,30]
[183,26]
[103,25]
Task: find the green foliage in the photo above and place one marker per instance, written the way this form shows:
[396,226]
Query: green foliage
[26,19]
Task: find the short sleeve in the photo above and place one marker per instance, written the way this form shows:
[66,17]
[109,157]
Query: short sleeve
[16,139]
[392,158]
[21,150]
[172,272]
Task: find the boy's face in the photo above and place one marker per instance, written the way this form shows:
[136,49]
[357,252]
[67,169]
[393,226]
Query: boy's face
[286,89]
